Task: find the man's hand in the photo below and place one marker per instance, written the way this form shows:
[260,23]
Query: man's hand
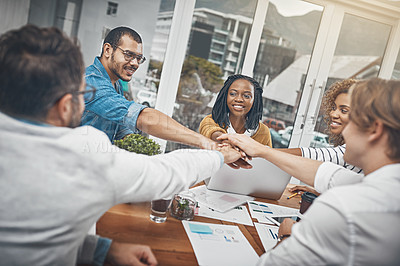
[286,227]
[207,144]
[130,254]
[242,162]
[244,143]
[233,156]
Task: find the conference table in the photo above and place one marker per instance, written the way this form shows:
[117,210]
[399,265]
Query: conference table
[130,223]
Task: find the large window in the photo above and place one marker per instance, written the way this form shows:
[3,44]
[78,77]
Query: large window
[396,70]
[282,62]
[216,49]
[91,20]
[358,54]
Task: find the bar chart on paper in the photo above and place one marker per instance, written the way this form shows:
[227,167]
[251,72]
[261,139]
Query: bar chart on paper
[268,235]
[217,244]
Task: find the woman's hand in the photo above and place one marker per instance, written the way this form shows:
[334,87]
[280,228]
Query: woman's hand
[240,163]
[244,143]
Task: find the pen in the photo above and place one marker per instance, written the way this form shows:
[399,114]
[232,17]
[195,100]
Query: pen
[294,194]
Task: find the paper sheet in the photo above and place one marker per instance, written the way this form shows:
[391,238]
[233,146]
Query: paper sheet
[225,246]
[268,235]
[219,201]
[261,211]
[237,215]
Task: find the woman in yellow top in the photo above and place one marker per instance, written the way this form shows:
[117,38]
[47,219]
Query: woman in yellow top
[238,109]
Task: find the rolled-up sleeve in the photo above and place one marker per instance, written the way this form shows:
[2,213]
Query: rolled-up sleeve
[111,106]
[316,240]
[330,175]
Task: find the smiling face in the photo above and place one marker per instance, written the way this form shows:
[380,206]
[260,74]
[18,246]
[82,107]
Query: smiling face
[339,116]
[118,67]
[356,140]
[240,97]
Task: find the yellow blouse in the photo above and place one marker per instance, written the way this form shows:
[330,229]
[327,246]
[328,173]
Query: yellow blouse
[208,127]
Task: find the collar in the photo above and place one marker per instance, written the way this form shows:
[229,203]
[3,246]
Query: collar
[248,132]
[99,66]
[32,122]
[389,171]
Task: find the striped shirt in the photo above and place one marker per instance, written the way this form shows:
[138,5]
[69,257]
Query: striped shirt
[329,154]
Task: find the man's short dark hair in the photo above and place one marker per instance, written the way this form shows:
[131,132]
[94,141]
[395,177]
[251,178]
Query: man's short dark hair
[37,67]
[114,37]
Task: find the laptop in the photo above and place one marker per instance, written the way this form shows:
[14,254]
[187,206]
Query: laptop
[264,180]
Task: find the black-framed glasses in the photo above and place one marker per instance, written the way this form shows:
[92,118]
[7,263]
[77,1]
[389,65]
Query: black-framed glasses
[129,56]
[88,93]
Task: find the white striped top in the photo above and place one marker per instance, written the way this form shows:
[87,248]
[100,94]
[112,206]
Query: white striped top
[329,154]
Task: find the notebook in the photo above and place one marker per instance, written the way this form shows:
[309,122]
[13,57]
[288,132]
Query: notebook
[264,180]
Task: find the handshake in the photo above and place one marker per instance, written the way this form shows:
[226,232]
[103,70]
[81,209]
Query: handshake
[238,149]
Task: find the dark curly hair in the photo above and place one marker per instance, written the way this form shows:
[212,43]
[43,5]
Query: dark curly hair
[220,110]
[328,104]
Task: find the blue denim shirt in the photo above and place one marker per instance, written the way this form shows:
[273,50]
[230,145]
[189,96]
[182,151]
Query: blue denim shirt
[109,111]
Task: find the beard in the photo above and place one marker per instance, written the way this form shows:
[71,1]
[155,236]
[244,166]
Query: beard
[76,116]
[117,68]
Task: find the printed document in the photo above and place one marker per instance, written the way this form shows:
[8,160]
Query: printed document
[218,201]
[217,244]
[268,235]
[238,215]
[261,211]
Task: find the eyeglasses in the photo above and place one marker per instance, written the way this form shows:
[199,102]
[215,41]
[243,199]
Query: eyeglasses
[129,56]
[88,93]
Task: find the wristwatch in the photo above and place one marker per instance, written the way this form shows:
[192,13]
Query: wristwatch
[280,238]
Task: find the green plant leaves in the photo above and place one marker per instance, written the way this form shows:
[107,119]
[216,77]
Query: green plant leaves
[138,144]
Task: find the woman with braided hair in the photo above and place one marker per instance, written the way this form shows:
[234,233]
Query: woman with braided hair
[237,109]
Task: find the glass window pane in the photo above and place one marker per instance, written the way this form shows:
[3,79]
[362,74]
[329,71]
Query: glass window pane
[216,49]
[91,20]
[282,62]
[396,70]
[358,54]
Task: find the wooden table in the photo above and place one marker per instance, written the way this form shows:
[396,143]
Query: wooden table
[130,223]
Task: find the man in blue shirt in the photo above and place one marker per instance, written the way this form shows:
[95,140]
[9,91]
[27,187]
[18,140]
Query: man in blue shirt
[110,112]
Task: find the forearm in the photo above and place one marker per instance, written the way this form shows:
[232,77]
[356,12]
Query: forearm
[93,250]
[294,151]
[216,134]
[162,126]
[301,168]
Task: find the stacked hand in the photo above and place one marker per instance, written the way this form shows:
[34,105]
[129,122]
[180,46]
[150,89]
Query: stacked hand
[240,163]
[233,156]
[246,144]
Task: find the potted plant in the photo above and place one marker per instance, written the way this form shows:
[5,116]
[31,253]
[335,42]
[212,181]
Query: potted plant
[183,206]
[138,144]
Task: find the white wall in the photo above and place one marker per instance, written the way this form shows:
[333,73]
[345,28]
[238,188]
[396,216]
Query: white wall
[13,14]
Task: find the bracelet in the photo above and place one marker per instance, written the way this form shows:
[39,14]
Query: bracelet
[280,238]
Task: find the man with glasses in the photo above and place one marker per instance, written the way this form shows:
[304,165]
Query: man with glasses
[109,111]
[57,179]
